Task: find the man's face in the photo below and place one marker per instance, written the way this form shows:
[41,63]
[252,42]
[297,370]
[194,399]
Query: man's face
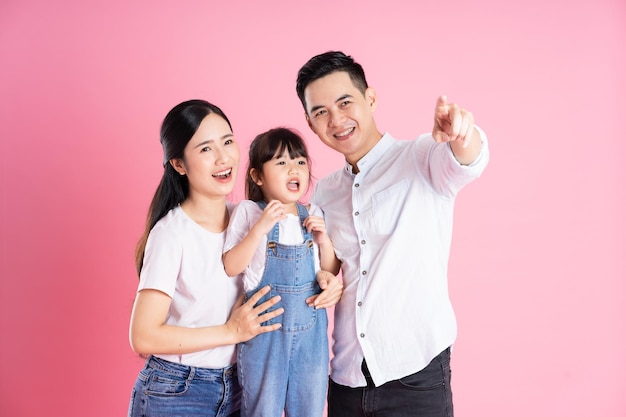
[341,115]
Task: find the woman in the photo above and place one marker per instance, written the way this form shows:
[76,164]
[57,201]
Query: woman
[188,314]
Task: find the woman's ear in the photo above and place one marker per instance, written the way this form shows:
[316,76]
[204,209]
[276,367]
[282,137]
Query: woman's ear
[178,165]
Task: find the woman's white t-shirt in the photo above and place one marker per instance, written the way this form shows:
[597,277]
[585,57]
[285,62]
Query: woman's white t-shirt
[184,260]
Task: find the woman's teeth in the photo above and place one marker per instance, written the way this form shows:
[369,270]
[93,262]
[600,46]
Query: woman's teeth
[223,174]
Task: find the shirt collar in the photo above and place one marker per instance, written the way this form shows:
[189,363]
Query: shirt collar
[374,155]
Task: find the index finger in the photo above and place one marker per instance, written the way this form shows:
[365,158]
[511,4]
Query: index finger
[442,100]
[258,295]
[456,121]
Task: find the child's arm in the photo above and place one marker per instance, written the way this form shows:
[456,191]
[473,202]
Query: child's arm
[328,259]
[240,255]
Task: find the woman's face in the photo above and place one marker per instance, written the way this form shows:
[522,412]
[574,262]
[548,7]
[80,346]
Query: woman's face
[211,159]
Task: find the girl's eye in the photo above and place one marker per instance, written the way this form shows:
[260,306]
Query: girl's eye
[301,162]
[280,163]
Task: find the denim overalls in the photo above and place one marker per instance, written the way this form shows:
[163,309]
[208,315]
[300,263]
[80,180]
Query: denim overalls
[287,368]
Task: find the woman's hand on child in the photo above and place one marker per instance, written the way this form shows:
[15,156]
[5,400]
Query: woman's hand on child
[246,319]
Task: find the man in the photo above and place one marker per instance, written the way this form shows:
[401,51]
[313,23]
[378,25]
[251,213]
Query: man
[389,214]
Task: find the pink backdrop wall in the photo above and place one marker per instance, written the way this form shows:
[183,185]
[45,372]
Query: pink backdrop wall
[537,271]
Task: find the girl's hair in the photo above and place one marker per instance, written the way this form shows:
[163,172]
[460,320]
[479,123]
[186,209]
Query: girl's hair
[179,125]
[265,147]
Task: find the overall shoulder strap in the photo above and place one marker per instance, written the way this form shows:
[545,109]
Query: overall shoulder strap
[303,213]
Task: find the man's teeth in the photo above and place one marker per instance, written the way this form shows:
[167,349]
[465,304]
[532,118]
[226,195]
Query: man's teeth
[344,133]
[223,174]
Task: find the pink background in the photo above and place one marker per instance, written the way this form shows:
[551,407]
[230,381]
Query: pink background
[537,273]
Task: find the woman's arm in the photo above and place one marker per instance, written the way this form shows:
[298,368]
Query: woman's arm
[150,335]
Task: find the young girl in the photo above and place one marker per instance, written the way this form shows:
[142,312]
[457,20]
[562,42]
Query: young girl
[182,319]
[276,241]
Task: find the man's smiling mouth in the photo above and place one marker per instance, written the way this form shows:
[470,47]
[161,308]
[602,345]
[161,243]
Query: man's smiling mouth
[344,134]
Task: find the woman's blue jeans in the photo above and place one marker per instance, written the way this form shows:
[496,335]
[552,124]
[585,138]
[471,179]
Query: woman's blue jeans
[426,393]
[169,389]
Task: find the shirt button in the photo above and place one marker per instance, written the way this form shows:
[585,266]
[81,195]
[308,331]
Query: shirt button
[356,213]
[356,185]
[360,303]
[362,335]
[363,242]
[364,273]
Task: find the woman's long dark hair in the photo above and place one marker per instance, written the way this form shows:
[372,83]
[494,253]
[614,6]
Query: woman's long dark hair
[179,125]
[267,145]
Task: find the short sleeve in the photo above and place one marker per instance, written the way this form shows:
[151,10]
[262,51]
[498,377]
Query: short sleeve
[239,224]
[162,261]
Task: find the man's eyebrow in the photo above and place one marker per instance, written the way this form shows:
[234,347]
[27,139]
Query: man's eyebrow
[345,96]
[315,108]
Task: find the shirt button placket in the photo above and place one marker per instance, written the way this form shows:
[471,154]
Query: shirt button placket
[356,201]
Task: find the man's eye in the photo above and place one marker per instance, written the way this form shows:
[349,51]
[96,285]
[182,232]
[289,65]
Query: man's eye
[320,113]
[228,142]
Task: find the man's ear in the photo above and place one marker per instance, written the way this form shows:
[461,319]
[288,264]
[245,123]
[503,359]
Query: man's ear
[178,165]
[370,96]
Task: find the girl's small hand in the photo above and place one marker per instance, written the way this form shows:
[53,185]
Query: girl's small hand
[332,289]
[246,319]
[273,212]
[317,226]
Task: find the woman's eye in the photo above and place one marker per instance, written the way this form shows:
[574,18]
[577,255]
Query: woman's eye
[205,149]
